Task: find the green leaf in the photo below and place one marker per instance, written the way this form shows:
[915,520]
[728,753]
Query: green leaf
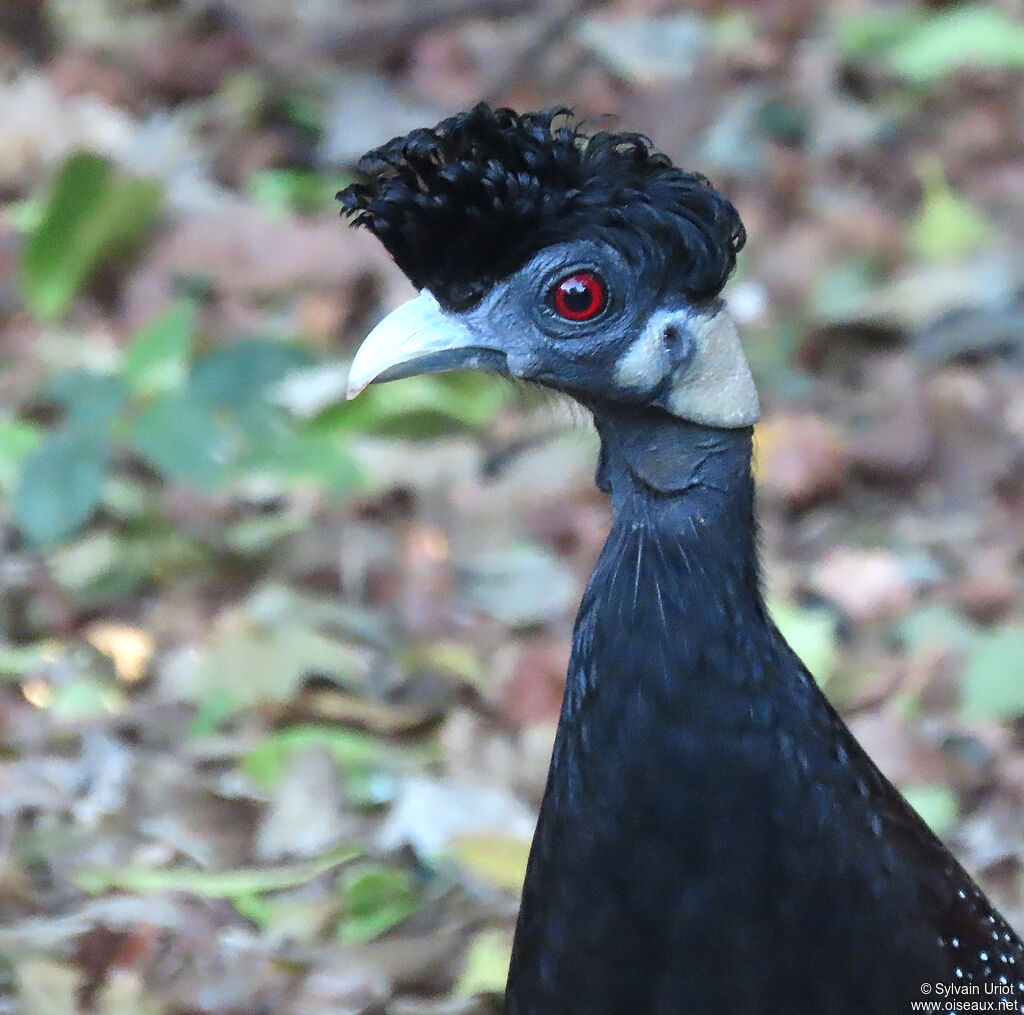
[60,484]
[214,710]
[17,660]
[84,698]
[948,227]
[254,907]
[282,191]
[288,917]
[876,32]
[88,399]
[158,358]
[103,566]
[303,112]
[924,48]
[981,36]
[180,437]
[17,441]
[24,216]
[811,635]
[237,376]
[994,681]
[357,753]
[289,452]
[375,900]
[224,426]
[256,535]
[935,803]
[92,215]
[420,407]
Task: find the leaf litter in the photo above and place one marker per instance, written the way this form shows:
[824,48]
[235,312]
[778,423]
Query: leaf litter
[278,681]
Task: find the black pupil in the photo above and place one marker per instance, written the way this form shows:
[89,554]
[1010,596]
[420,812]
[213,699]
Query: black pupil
[578,296]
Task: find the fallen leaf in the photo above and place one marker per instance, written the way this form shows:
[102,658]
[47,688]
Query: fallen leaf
[429,814]
[486,967]
[130,648]
[306,814]
[497,860]
[799,458]
[124,993]
[211,884]
[520,585]
[948,227]
[867,585]
[46,987]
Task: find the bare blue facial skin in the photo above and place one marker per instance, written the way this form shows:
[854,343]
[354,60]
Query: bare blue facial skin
[644,348]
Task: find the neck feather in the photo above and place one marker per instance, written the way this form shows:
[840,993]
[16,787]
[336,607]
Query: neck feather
[677,672]
[677,585]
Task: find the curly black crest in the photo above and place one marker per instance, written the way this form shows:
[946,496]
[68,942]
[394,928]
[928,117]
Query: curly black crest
[466,203]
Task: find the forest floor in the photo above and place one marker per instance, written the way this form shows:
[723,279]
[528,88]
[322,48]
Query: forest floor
[279,674]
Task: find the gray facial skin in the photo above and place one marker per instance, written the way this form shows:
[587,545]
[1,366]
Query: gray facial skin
[643,349]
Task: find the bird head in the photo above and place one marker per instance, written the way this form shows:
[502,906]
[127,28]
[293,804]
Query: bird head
[587,263]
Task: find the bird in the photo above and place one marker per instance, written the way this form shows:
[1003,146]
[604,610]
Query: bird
[712,838]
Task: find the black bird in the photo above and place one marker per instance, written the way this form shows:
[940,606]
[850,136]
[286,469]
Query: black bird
[712,838]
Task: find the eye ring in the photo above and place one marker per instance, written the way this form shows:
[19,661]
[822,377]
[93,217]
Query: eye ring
[580,296]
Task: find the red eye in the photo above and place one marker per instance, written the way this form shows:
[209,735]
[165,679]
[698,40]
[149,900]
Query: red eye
[579,297]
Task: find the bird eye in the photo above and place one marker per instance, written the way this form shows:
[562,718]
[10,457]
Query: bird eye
[579,296]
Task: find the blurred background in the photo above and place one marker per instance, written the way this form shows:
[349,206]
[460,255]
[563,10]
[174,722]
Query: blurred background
[279,674]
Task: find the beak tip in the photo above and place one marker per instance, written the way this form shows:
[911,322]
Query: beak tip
[355,389]
[403,343]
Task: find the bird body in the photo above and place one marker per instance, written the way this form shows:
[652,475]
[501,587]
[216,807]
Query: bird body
[712,838]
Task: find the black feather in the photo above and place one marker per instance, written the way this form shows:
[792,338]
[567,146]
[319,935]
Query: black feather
[466,203]
[712,837]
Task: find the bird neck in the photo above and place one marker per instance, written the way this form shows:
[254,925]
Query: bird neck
[675,596]
[670,474]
